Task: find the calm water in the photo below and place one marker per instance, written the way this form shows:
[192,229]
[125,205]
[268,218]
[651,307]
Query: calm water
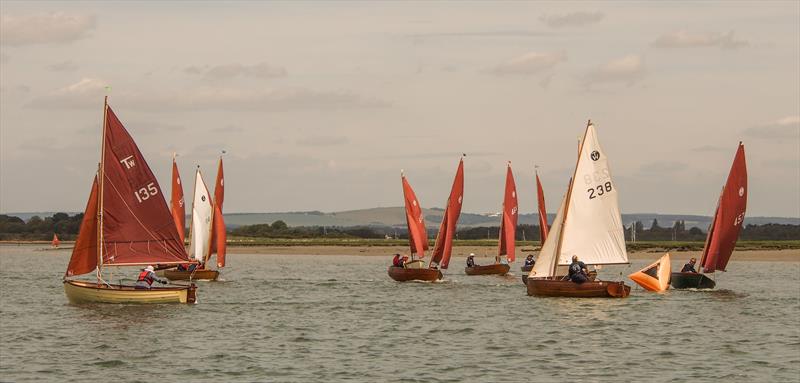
[340,318]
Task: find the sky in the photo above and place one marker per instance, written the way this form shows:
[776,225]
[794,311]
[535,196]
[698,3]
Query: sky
[319,105]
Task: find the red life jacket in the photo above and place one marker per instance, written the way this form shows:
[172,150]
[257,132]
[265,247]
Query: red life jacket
[145,276]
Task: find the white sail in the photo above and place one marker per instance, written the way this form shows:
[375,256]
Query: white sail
[593,226]
[202,211]
[547,256]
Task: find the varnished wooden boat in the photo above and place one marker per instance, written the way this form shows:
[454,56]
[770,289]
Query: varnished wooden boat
[592,276]
[547,287]
[402,274]
[93,292]
[691,281]
[495,269]
[185,275]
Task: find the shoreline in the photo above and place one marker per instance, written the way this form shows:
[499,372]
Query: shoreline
[459,251]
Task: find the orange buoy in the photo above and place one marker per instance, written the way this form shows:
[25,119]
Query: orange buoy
[654,277]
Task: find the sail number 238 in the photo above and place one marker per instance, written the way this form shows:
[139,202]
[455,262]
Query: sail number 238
[146,192]
[599,190]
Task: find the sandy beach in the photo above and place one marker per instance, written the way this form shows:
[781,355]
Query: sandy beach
[484,251]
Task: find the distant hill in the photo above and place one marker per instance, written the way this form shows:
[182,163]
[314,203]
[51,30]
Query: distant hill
[395,217]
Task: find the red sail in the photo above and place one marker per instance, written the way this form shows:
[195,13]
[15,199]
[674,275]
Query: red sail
[447,230]
[55,242]
[508,222]
[218,234]
[176,202]
[417,234]
[729,218]
[84,254]
[137,226]
[542,211]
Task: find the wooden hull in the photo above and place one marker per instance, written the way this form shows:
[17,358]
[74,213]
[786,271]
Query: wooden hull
[526,269]
[402,274]
[495,269]
[564,288]
[691,281]
[92,292]
[592,277]
[197,275]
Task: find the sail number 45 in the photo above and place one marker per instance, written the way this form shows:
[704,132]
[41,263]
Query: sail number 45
[599,190]
[146,192]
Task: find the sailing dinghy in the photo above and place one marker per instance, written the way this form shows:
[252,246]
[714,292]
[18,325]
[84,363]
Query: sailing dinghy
[126,223]
[724,231]
[588,224]
[654,277]
[508,229]
[207,232]
[414,270]
[542,218]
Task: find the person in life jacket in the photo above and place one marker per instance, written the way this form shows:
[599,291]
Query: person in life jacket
[397,261]
[147,277]
[578,272]
[689,267]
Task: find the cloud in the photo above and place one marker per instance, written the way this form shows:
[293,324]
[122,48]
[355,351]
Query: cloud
[529,63]
[687,39]
[87,92]
[228,71]
[628,70]
[4,58]
[784,128]
[497,33]
[709,149]
[574,19]
[44,28]
[64,66]
[228,129]
[323,141]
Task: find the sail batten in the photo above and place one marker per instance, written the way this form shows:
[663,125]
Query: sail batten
[443,247]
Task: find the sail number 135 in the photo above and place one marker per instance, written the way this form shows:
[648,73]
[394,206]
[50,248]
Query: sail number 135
[599,190]
[146,192]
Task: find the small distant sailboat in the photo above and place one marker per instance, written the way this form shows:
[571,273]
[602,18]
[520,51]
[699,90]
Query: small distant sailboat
[654,277]
[55,243]
[724,231]
[543,228]
[126,223]
[200,233]
[443,247]
[508,229]
[588,224]
[203,246]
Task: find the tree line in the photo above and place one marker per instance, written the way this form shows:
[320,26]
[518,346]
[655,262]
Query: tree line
[66,226]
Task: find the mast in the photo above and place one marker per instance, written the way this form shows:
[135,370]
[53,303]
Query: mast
[102,168]
[569,198]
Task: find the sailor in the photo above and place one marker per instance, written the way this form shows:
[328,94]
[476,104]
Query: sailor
[471,260]
[689,267]
[147,277]
[578,272]
[530,261]
[397,261]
